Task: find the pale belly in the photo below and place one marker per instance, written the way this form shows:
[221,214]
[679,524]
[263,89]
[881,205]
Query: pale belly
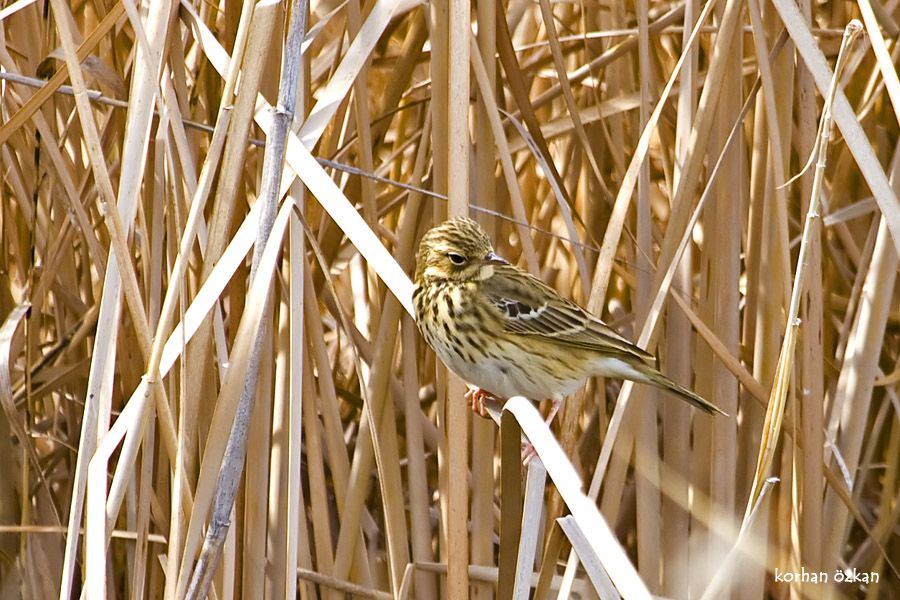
[507,378]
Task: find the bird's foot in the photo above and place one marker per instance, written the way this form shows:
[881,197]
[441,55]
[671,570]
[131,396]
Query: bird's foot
[556,404]
[528,453]
[477,398]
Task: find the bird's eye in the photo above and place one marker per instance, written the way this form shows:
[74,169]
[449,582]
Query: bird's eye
[456,259]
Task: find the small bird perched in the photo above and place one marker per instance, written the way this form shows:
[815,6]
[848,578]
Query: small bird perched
[509,334]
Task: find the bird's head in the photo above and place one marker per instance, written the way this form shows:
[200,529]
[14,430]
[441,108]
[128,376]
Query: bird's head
[456,250]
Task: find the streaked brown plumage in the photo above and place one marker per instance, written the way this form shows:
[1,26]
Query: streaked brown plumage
[508,333]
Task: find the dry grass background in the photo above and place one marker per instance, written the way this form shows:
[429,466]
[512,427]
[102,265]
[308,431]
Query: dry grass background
[114,420]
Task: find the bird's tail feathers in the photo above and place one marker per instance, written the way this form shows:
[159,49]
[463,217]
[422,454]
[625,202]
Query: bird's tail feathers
[657,379]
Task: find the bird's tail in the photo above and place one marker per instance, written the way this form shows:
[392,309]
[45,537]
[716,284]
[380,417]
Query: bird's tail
[657,379]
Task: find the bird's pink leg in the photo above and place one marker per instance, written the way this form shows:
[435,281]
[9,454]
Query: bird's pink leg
[555,405]
[476,398]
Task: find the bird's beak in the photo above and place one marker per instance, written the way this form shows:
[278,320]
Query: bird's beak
[497,260]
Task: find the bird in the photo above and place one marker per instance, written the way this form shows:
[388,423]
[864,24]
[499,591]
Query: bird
[507,333]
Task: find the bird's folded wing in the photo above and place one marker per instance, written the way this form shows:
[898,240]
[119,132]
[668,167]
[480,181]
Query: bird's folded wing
[530,307]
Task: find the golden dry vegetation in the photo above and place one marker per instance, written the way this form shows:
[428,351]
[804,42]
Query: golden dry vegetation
[167,259]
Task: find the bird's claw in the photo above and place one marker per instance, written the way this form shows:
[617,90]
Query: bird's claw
[477,398]
[528,453]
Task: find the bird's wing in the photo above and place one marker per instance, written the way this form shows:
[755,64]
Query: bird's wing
[529,307]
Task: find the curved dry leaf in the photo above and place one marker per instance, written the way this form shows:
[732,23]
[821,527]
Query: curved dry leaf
[570,487]
[11,340]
